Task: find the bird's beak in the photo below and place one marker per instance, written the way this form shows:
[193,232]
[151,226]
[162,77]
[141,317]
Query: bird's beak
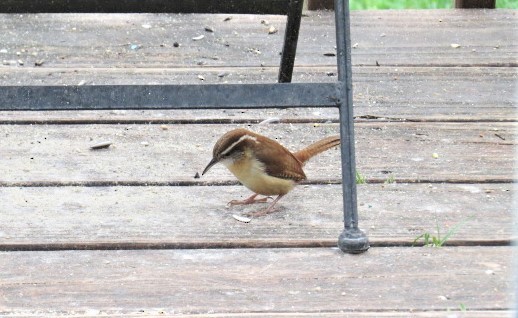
[211,163]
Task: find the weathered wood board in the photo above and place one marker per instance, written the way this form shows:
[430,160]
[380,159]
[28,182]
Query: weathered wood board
[393,93]
[342,314]
[257,281]
[145,40]
[60,154]
[197,217]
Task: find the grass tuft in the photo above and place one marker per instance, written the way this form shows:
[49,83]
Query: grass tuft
[438,241]
[360,179]
[391,179]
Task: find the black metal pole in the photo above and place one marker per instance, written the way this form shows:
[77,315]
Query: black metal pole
[291,36]
[352,239]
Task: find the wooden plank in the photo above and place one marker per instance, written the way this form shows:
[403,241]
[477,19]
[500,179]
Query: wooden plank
[172,117]
[415,94]
[37,218]
[382,36]
[60,154]
[425,313]
[241,281]
[375,314]
[78,40]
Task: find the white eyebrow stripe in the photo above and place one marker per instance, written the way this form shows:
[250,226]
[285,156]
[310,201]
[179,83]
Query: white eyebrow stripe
[244,137]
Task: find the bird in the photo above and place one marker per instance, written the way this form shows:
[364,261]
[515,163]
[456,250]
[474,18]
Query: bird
[263,165]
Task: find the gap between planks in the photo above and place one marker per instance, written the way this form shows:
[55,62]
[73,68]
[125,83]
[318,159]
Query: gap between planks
[217,121]
[313,181]
[432,313]
[259,244]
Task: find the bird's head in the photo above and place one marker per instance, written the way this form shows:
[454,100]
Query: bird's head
[231,147]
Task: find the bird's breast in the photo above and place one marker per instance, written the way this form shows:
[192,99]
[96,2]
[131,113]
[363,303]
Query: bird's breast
[251,173]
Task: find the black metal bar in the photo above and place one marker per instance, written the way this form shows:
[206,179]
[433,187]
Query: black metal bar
[352,239]
[291,36]
[147,6]
[169,96]
[475,4]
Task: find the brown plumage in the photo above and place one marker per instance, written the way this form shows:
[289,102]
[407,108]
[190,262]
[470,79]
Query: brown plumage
[262,164]
[315,148]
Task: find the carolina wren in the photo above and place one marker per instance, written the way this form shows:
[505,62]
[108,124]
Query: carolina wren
[263,165]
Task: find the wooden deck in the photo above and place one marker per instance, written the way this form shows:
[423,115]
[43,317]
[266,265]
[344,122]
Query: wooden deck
[128,231]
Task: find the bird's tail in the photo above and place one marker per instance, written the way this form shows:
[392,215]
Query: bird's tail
[316,148]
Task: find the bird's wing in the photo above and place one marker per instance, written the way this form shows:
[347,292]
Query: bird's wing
[288,167]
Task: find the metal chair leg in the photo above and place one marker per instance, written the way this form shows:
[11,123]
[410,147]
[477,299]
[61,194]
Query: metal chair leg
[290,40]
[352,239]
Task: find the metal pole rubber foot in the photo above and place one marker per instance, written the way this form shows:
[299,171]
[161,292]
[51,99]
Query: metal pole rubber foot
[353,241]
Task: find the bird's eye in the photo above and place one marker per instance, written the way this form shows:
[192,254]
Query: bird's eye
[234,155]
[226,156]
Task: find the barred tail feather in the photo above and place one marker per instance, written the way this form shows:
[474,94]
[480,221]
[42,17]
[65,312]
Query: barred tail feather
[316,148]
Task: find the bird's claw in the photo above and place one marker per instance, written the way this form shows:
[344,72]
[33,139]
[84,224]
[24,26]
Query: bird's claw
[248,201]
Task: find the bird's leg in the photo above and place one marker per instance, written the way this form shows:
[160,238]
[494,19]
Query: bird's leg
[266,211]
[250,200]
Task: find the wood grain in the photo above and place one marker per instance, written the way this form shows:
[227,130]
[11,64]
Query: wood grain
[94,40]
[353,314]
[241,281]
[197,217]
[403,93]
[148,154]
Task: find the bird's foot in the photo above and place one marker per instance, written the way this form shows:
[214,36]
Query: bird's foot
[250,200]
[266,211]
